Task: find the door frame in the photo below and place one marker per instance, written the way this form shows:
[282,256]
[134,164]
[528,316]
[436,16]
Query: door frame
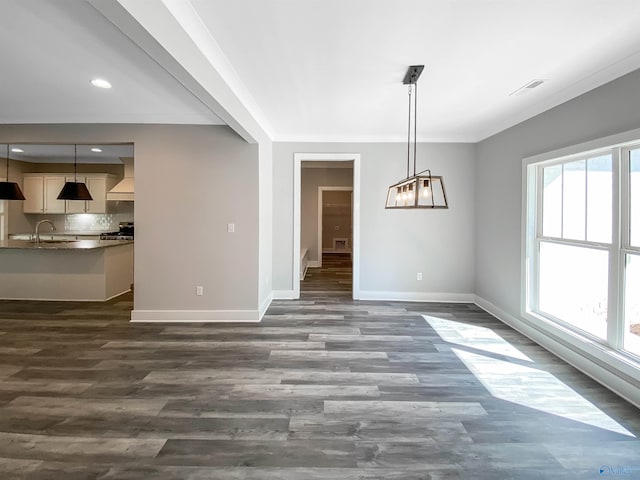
[298,158]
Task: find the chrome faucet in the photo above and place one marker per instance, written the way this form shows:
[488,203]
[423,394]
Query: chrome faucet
[53,228]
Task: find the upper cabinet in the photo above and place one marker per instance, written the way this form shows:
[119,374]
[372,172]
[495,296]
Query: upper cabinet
[41,191]
[98,186]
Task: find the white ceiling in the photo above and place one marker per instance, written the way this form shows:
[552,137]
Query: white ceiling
[50,51]
[43,153]
[333,69]
[325,70]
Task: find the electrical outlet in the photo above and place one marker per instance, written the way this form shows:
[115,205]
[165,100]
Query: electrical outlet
[199,291]
[419,276]
[231,227]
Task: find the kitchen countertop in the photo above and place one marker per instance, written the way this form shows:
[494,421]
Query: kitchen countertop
[62,245]
[58,233]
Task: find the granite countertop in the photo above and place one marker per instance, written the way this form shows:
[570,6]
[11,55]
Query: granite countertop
[58,233]
[61,245]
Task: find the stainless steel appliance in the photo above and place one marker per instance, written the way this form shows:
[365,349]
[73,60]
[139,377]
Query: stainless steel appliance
[125,232]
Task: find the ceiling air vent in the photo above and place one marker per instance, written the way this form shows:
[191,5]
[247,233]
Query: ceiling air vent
[528,87]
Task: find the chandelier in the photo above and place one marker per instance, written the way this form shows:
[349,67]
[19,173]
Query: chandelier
[421,189]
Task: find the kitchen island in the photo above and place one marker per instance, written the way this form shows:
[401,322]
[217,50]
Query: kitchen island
[85,270]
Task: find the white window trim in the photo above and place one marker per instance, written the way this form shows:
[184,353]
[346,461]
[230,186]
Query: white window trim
[598,360]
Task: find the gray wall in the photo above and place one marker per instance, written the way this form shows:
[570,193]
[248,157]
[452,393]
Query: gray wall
[311,179]
[190,182]
[612,108]
[394,244]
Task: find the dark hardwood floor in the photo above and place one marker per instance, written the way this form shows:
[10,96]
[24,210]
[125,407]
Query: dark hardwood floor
[324,388]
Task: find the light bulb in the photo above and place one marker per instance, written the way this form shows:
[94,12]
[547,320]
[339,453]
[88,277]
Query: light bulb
[426,192]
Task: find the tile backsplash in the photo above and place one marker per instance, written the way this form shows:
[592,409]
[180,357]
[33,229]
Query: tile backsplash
[118,212]
[90,222]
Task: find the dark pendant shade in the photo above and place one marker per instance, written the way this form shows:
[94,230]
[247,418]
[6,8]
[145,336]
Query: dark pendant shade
[74,191]
[10,191]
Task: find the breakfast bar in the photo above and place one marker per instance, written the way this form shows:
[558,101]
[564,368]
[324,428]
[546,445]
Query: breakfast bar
[75,270]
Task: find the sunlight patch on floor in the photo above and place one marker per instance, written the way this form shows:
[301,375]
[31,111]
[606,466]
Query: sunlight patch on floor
[518,383]
[478,338]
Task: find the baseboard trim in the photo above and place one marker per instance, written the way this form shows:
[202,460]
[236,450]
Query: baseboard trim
[314,264]
[416,296]
[265,306]
[194,316]
[612,374]
[284,295]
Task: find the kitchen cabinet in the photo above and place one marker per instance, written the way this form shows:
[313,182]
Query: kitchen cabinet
[98,186]
[41,194]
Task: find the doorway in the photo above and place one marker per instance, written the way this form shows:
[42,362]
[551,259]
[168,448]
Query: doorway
[330,265]
[298,249]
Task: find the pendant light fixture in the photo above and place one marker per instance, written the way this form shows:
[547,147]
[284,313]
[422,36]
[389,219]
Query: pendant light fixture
[10,190]
[420,190]
[75,190]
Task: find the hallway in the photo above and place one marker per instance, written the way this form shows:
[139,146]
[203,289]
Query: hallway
[334,278]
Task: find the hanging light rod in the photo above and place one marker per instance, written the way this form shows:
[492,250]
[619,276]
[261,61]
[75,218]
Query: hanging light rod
[75,190]
[417,190]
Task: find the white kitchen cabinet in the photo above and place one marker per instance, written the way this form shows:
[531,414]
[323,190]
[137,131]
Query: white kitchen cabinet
[98,186]
[41,194]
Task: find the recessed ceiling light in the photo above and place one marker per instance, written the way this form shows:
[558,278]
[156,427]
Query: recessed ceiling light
[100,83]
[17,150]
[95,149]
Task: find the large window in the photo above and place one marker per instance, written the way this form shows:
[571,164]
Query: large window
[583,245]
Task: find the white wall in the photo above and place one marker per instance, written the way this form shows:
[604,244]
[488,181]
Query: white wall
[190,182]
[310,180]
[395,245]
[265,227]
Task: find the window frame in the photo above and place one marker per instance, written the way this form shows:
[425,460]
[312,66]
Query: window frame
[611,350]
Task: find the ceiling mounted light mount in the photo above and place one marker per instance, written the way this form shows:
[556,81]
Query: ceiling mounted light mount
[10,190]
[420,190]
[101,83]
[75,190]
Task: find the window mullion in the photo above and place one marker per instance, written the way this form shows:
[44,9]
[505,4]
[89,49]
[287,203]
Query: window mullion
[615,320]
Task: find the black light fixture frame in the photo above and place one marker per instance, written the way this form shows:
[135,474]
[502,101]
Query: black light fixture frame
[10,190]
[412,191]
[75,190]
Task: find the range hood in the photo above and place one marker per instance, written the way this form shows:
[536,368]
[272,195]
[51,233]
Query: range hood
[123,191]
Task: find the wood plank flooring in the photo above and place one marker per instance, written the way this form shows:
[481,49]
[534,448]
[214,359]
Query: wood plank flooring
[324,388]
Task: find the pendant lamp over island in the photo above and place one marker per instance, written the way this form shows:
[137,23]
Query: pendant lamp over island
[420,190]
[10,190]
[75,190]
